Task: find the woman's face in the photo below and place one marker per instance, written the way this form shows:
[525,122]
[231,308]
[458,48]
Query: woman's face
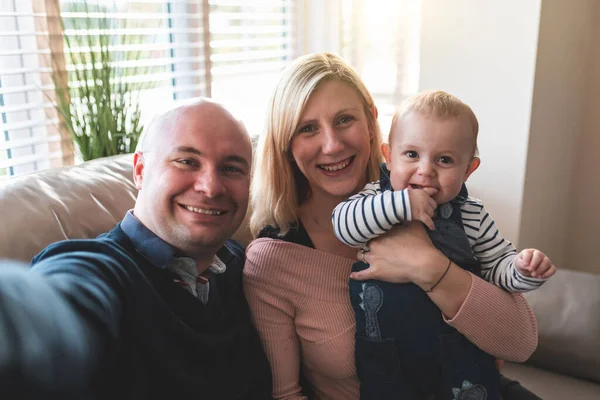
[331,144]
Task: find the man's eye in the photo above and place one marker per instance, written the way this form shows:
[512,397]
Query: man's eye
[186,162]
[411,154]
[446,160]
[234,170]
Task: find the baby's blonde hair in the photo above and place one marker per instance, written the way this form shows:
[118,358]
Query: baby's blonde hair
[437,104]
[278,185]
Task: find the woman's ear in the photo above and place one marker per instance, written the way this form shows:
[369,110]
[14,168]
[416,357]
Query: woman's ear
[374,114]
[374,111]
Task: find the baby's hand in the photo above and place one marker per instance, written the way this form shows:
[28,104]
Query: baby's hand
[422,206]
[535,264]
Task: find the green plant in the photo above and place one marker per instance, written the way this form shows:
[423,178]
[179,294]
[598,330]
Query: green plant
[98,102]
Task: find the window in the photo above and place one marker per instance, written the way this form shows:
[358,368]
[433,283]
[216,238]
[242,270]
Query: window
[172,49]
[251,42]
[381,41]
[231,50]
[28,139]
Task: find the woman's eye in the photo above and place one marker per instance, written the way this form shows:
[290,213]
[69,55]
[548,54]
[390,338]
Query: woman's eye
[344,119]
[412,154]
[446,160]
[306,128]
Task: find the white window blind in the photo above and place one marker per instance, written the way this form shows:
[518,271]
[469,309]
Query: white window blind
[157,46]
[29,139]
[230,50]
[250,42]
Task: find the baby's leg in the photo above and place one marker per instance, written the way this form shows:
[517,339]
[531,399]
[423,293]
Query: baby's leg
[466,371]
[396,339]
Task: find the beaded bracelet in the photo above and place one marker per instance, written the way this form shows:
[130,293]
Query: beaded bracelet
[442,277]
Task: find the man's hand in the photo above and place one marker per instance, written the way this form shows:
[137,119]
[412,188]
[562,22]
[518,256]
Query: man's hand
[422,205]
[535,264]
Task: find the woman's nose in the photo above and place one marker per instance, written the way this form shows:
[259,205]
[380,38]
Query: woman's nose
[332,141]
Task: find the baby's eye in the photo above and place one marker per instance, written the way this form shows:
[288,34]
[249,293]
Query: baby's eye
[446,160]
[411,154]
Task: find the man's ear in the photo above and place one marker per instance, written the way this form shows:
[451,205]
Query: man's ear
[386,150]
[473,165]
[138,169]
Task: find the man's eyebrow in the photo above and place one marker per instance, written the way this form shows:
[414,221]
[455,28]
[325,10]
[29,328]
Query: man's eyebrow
[188,149]
[232,157]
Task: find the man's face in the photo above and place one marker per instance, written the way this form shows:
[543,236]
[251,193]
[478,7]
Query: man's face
[194,178]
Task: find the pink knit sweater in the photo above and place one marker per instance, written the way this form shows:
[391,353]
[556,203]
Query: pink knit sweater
[300,303]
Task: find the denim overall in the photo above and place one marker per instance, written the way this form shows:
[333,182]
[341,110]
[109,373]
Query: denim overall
[404,349]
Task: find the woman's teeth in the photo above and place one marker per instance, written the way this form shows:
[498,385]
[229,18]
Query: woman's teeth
[203,211]
[336,167]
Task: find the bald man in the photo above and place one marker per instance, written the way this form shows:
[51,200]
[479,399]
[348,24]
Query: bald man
[153,308]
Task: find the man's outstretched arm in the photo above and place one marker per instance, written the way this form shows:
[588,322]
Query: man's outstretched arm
[56,322]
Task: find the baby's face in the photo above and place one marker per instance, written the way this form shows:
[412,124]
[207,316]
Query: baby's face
[431,152]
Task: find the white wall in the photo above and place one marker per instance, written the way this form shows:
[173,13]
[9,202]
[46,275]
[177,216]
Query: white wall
[485,52]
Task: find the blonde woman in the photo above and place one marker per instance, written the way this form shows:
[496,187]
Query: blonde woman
[322,145]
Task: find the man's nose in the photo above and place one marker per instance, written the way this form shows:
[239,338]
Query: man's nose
[332,142]
[210,182]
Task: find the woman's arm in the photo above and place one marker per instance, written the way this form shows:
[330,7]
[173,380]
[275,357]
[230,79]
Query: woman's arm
[273,318]
[500,323]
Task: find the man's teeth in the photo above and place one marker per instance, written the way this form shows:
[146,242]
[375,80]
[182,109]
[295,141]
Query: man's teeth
[203,211]
[336,167]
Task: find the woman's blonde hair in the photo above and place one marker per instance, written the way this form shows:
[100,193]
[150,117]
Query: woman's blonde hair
[278,186]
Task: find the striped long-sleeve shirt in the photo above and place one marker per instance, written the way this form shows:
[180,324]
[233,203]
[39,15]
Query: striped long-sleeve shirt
[372,212]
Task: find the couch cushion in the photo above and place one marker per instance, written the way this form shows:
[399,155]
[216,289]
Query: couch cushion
[551,386]
[75,202]
[567,308]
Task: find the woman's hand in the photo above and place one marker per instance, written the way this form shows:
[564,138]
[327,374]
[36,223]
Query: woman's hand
[404,254]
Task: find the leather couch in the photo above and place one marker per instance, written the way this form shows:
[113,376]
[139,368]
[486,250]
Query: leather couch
[89,199]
